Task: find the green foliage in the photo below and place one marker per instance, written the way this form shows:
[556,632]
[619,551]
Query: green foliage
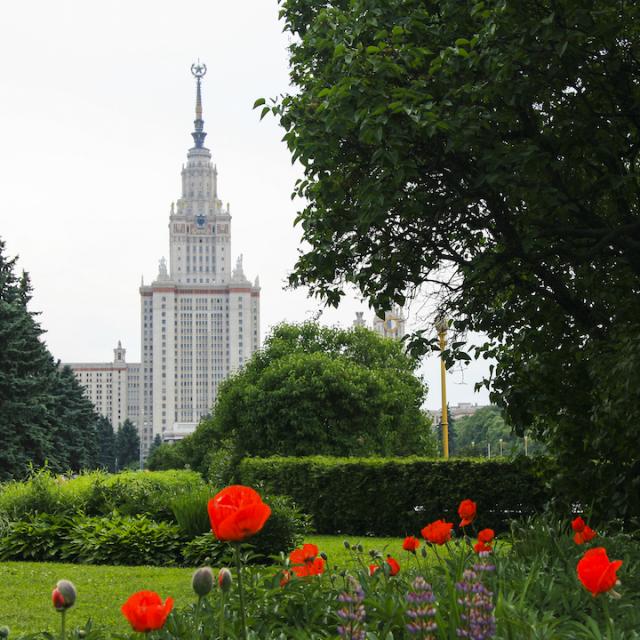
[40,537]
[136,493]
[127,446]
[106,445]
[97,493]
[44,414]
[190,511]
[473,147]
[167,456]
[317,389]
[117,539]
[395,496]
[487,426]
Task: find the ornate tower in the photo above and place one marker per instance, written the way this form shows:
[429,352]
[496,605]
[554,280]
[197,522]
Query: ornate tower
[200,319]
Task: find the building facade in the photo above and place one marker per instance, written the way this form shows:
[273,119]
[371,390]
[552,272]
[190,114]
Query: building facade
[393,325]
[112,387]
[200,317]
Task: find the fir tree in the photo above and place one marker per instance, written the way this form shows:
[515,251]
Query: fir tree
[127,445]
[106,444]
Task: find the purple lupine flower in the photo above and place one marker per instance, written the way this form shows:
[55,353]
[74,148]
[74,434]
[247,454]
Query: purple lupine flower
[478,620]
[353,613]
[421,610]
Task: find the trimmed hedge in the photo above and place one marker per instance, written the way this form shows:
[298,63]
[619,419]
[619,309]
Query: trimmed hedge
[398,496]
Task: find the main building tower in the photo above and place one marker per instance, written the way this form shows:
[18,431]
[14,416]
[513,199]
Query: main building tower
[200,318]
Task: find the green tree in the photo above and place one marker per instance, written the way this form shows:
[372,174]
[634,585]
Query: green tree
[490,150]
[44,415]
[167,456]
[127,446]
[317,390]
[106,444]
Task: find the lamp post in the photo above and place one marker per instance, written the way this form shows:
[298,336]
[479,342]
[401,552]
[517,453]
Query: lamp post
[501,447]
[441,327]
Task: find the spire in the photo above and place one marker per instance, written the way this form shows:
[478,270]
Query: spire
[198,70]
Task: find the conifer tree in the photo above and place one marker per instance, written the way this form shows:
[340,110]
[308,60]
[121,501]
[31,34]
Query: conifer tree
[127,445]
[44,414]
[106,444]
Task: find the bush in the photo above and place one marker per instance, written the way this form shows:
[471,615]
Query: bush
[136,493]
[97,494]
[284,530]
[123,540]
[39,538]
[190,511]
[41,493]
[398,496]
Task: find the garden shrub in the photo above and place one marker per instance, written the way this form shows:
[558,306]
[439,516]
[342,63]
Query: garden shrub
[190,511]
[123,540]
[398,496]
[136,493]
[41,493]
[40,537]
[98,493]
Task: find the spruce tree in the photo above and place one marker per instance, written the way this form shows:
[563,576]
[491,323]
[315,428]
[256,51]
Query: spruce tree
[44,414]
[127,445]
[26,372]
[106,444]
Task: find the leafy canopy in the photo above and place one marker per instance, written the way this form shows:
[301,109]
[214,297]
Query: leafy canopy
[318,390]
[489,151]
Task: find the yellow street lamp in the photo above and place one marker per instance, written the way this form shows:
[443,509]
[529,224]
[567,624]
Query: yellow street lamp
[441,327]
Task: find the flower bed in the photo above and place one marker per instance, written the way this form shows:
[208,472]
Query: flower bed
[451,581]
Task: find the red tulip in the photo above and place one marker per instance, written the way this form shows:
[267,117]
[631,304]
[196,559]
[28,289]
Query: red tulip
[305,562]
[482,547]
[411,543]
[596,572]
[437,532]
[578,524]
[586,535]
[394,567]
[237,513]
[145,611]
[486,536]
[467,512]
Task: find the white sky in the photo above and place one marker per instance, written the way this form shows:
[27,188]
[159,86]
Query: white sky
[96,110]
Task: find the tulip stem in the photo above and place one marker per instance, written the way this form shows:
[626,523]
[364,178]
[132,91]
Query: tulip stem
[222,595]
[64,619]
[240,590]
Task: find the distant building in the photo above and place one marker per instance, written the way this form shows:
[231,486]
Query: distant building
[200,319]
[456,410]
[112,387]
[393,325]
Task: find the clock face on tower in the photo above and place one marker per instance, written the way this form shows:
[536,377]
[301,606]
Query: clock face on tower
[200,220]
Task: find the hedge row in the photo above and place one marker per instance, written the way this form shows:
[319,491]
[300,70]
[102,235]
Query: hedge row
[385,497]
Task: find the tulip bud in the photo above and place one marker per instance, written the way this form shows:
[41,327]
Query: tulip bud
[64,595]
[360,548]
[346,544]
[4,632]
[224,580]
[82,633]
[323,555]
[202,581]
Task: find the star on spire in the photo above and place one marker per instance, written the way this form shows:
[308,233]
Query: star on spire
[198,70]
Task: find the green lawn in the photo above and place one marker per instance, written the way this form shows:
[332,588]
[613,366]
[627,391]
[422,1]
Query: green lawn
[25,587]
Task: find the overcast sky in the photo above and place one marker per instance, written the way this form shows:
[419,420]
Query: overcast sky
[96,110]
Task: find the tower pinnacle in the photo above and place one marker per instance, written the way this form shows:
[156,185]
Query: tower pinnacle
[198,70]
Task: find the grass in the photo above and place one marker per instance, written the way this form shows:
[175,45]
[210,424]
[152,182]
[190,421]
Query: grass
[25,587]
